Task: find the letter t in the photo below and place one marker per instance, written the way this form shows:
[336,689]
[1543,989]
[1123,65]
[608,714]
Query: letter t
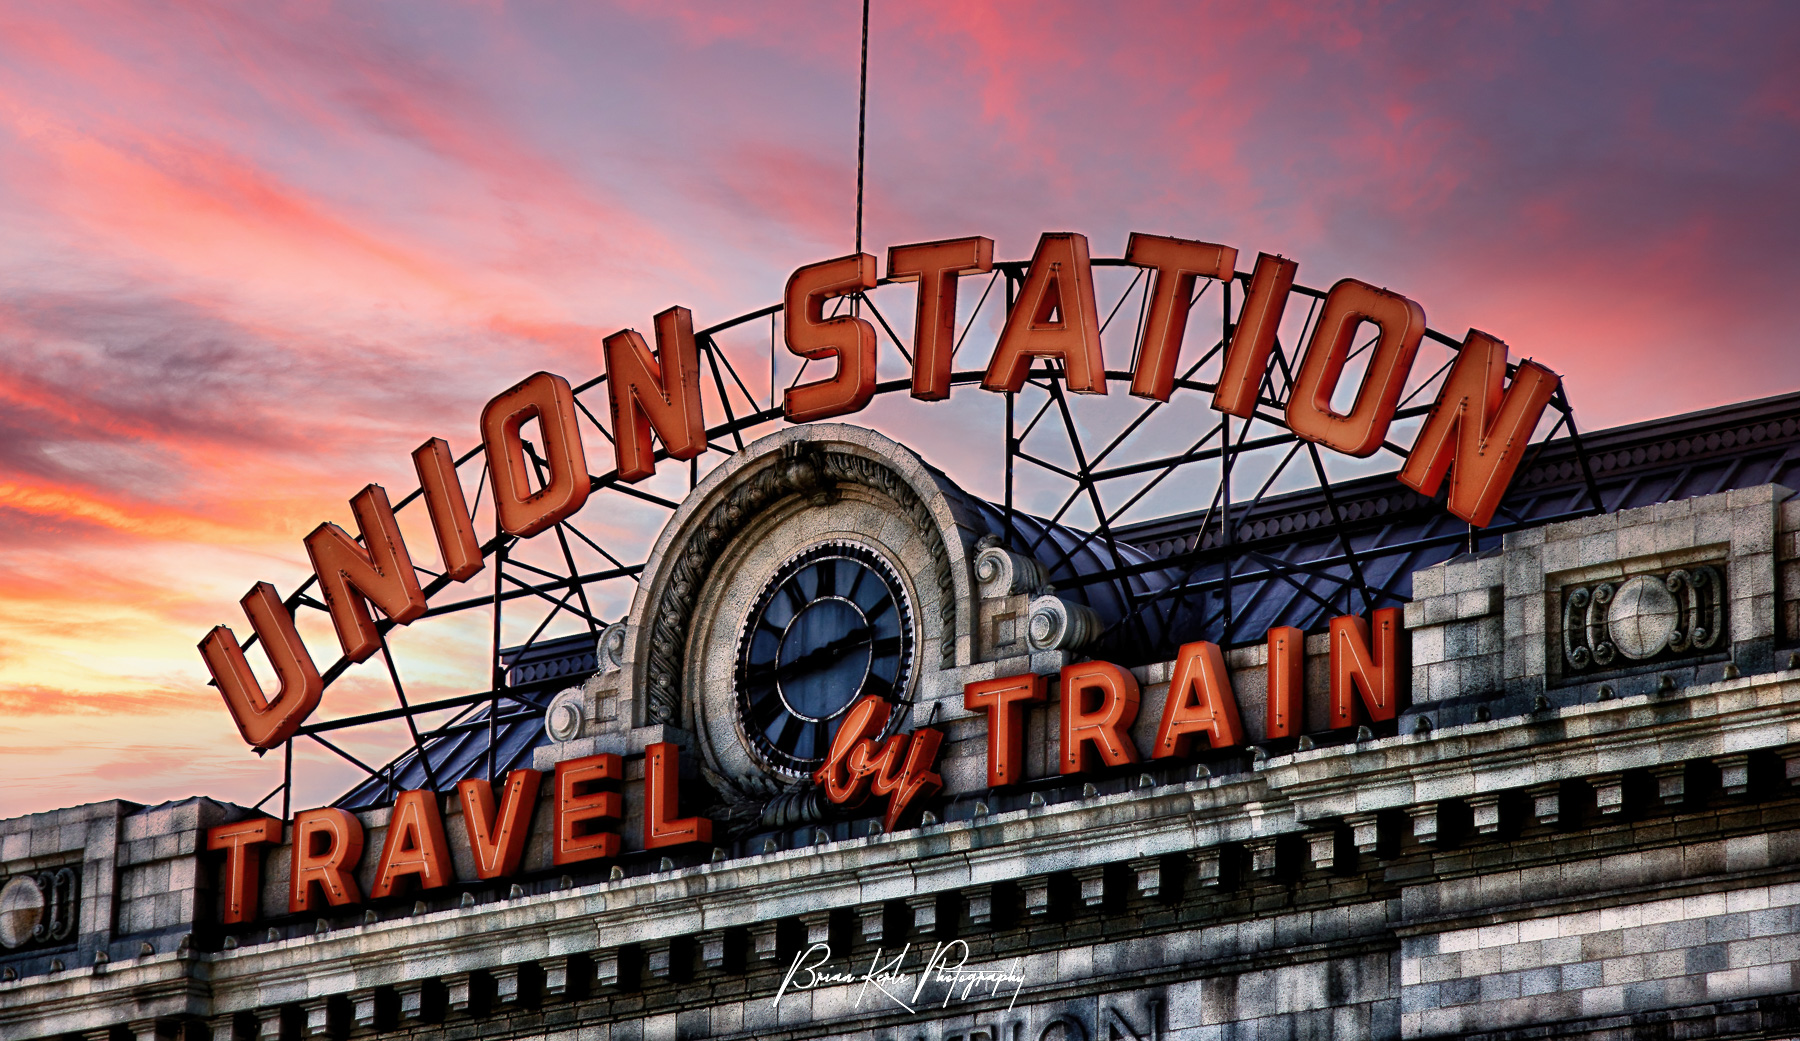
[1006,723]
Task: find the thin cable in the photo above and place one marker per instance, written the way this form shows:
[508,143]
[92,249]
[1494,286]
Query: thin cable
[862,122]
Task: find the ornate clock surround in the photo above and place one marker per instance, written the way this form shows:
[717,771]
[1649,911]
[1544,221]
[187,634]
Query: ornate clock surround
[787,492]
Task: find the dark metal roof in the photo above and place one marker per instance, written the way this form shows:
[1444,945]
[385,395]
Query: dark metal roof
[459,748]
[1392,531]
[1281,563]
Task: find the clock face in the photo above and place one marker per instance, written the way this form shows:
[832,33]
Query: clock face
[832,625]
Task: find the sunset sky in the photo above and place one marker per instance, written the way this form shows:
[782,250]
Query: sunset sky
[255,253]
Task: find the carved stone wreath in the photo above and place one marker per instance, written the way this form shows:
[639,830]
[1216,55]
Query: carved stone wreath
[803,469]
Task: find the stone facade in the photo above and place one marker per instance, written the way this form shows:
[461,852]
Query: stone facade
[1532,849]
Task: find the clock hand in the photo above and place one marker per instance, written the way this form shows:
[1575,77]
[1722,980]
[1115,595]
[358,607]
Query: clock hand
[825,654]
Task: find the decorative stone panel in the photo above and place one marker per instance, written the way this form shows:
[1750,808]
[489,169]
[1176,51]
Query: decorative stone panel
[39,909]
[799,488]
[1733,532]
[1647,618]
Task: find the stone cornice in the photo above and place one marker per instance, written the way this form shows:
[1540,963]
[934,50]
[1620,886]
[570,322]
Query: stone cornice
[1750,713]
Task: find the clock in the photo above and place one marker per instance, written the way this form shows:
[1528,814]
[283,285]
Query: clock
[831,625]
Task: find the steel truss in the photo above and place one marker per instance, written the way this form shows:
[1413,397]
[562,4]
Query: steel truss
[1155,465]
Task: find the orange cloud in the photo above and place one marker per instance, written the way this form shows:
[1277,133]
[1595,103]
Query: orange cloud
[149,522]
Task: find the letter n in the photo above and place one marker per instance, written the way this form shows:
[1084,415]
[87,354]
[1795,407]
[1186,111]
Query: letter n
[1376,668]
[1476,431]
[660,393]
[379,571]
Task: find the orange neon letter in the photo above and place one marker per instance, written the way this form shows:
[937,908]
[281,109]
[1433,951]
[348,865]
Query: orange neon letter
[263,723]
[914,780]
[327,844]
[1481,428]
[547,399]
[1373,670]
[901,769]
[1054,317]
[660,392]
[849,339]
[1004,701]
[498,843]
[1247,359]
[583,813]
[1347,306]
[1177,262]
[1287,667]
[415,845]
[1103,732]
[845,773]
[243,864]
[449,511]
[662,801]
[352,576]
[1199,701]
[936,267]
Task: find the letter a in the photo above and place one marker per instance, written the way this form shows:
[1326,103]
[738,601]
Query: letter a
[1199,701]
[415,846]
[1054,317]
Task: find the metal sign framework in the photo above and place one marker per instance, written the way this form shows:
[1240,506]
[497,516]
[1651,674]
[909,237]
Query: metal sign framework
[1053,461]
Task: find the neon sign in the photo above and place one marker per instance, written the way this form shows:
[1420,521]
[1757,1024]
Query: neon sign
[1475,434]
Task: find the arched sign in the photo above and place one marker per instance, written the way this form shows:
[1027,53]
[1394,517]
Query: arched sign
[1339,386]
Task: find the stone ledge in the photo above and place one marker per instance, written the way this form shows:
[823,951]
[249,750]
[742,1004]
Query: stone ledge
[1731,716]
